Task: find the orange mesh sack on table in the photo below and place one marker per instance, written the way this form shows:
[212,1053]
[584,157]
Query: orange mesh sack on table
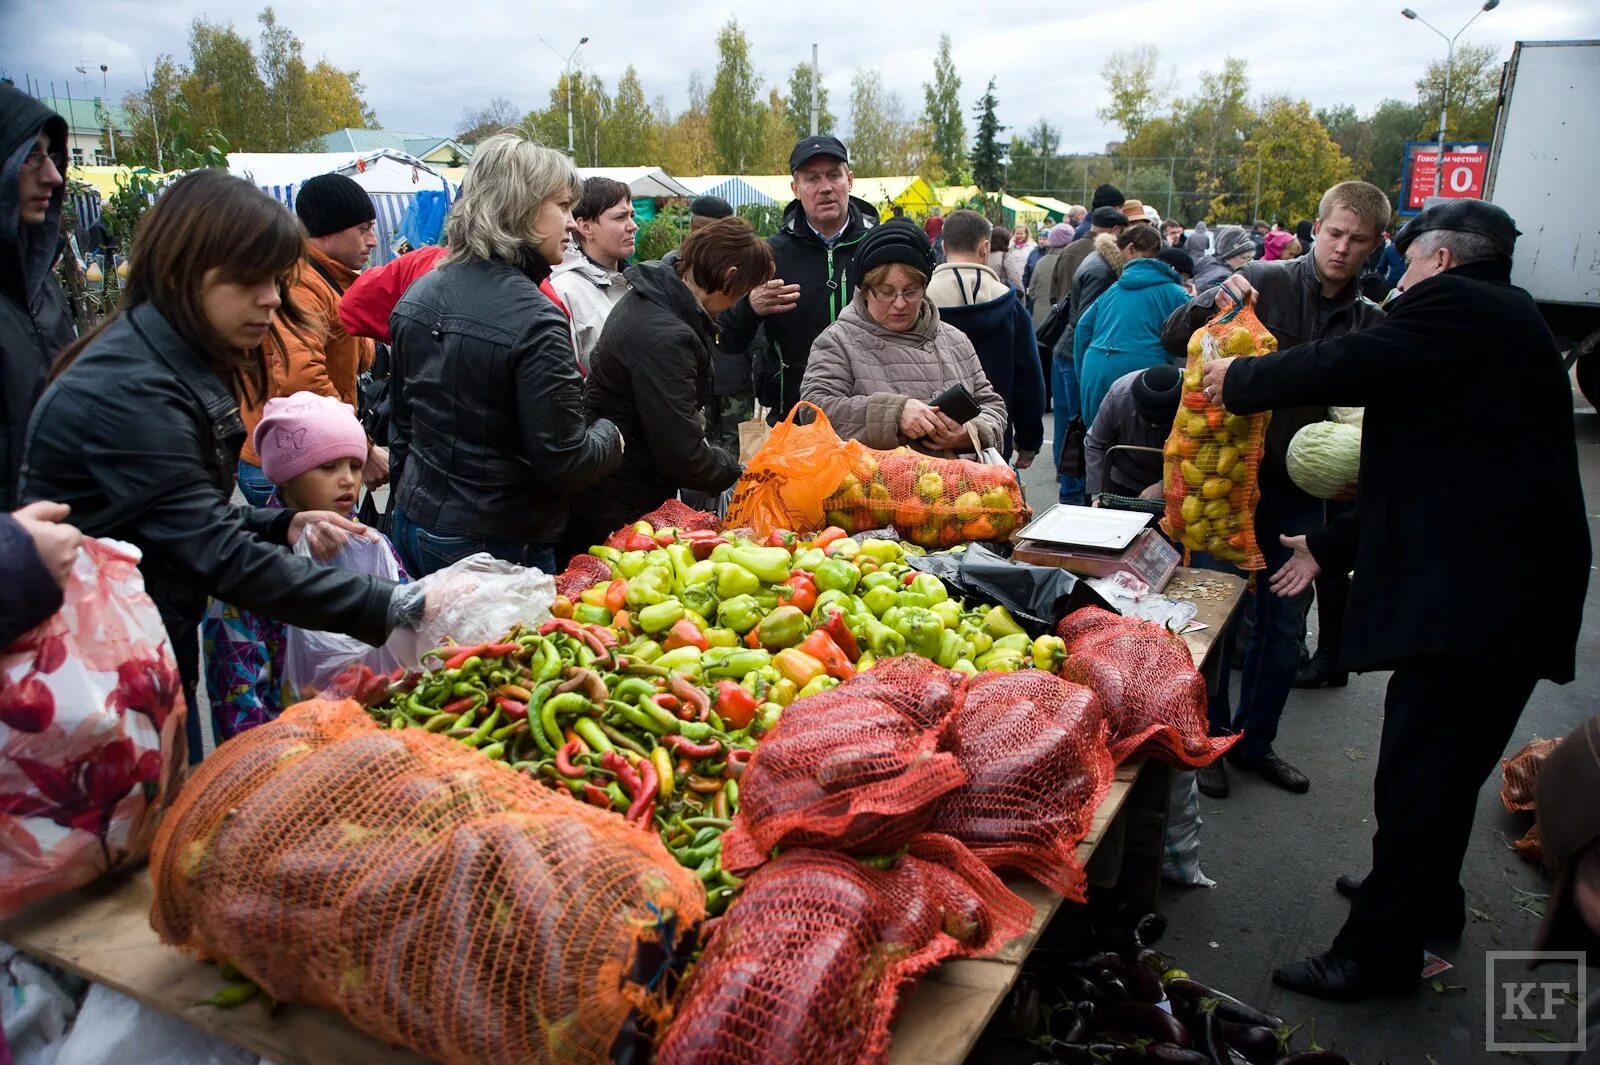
[1213,457]
[1520,773]
[436,898]
[785,484]
[582,573]
[929,501]
[1034,750]
[846,770]
[808,964]
[1154,698]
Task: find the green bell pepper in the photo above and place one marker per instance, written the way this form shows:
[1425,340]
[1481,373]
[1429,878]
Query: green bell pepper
[965,667]
[881,551]
[880,579]
[819,684]
[769,564]
[649,586]
[643,650]
[832,598]
[702,599]
[784,627]
[1048,653]
[930,586]
[922,629]
[879,599]
[584,614]
[659,557]
[999,622]
[741,613]
[722,637]
[783,691]
[767,715]
[658,617]
[683,560]
[949,612]
[909,598]
[685,659]
[609,555]
[972,632]
[880,639]
[952,648]
[1000,661]
[700,572]
[631,564]
[722,552]
[838,574]
[1017,641]
[846,548]
[809,559]
[735,580]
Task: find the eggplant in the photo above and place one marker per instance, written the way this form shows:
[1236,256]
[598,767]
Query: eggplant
[1023,1012]
[1168,1054]
[1313,1057]
[1080,987]
[1141,1020]
[1149,929]
[1259,1044]
[1069,1024]
[1143,985]
[1112,986]
[1081,1053]
[1227,1007]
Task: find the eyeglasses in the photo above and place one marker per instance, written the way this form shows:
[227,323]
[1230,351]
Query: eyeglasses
[910,295]
[36,159]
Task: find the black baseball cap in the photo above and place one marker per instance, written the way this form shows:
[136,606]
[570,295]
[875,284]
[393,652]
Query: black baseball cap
[810,147]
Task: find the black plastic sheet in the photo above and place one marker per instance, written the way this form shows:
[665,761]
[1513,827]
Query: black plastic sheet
[1037,596]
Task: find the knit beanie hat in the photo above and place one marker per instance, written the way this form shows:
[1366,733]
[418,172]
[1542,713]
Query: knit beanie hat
[331,203]
[1156,392]
[1106,196]
[896,241]
[1230,241]
[1060,236]
[300,432]
[1178,259]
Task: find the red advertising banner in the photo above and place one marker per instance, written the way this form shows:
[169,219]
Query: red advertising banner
[1464,169]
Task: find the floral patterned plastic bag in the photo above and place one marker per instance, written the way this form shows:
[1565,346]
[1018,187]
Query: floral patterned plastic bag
[91,732]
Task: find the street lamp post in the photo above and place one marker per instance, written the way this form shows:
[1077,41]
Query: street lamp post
[1449,69]
[567,67]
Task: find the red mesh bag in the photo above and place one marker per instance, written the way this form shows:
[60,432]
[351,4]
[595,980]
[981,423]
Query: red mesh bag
[809,962]
[1155,699]
[582,573]
[669,515]
[436,898]
[919,688]
[1034,750]
[930,501]
[850,769]
[1520,773]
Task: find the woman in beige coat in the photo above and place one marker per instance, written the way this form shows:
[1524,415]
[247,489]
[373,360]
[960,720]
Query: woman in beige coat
[876,370]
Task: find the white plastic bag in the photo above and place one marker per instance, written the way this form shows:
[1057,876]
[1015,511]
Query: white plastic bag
[473,601]
[1180,851]
[312,658]
[113,1029]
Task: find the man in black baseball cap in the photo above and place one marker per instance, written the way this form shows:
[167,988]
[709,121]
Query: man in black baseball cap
[812,249]
[1460,337]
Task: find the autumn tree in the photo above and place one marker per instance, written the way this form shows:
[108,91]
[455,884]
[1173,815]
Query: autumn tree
[734,105]
[987,164]
[1391,124]
[1474,94]
[223,87]
[874,116]
[589,105]
[686,146]
[480,123]
[798,104]
[155,114]
[777,135]
[628,131]
[1133,85]
[1297,162]
[942,118]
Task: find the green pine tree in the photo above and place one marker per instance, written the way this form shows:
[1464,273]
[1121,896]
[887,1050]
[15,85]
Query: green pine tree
[987,168]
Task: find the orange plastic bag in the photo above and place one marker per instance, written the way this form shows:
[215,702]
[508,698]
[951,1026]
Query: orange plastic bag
[1213,458]
[785,484]
[930,501]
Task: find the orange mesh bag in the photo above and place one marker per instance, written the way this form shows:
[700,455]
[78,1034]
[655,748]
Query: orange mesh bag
[1530,848]
[437,899]
[1034,750]
[1213,457]
[1520,773]
[809,962]
[847,769]
[929,501]
[582,573]
[670,515]
[786,482]
[1154,698]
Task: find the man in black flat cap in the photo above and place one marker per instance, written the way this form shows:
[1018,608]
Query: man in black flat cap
[812,251]
[1443,511]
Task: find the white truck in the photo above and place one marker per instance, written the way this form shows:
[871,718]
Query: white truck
[1542,170]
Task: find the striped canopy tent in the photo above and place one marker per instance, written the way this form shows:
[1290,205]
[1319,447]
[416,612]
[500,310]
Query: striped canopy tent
[1055,210]
[908,192]
[391,178]
[736,190]
[645,182]
[774,185]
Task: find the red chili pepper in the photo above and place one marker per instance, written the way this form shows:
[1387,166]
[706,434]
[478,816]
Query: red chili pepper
[458,706]
[616,595]
[568,627]
[645,794]
[601,633]
[627,776]
[596,796]
[684,633]
[737,761]
[735,706]
[691,695]
[828,536]
[909,577]
[799,590]
[820,645]
[456,660]
[500,650]
[586,680]
[689,749]
[564,757]
[835,627]
[648,814]
[515,710]
[665,700]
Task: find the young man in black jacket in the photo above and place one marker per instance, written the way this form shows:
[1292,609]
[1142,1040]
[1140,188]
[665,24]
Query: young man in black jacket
[1467,639]
[813,250]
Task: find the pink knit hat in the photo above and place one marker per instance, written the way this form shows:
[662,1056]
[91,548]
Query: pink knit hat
[300,432]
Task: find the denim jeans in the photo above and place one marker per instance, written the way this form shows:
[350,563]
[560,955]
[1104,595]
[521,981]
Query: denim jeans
[1272,653]
[425,551]
[253,484]
[1065,399]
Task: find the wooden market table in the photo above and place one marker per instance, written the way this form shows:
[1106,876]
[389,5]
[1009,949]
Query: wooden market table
[102,932]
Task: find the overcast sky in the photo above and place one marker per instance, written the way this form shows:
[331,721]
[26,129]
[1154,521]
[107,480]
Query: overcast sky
[423,61]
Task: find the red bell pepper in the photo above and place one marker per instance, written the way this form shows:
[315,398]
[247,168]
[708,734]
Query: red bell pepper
[684,633]
[638,541]
[828,536]
[835,627]
[780,538]
[820,645]
[799,590]
[735,706]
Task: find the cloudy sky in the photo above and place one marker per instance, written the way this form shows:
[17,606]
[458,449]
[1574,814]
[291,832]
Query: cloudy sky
[423,61]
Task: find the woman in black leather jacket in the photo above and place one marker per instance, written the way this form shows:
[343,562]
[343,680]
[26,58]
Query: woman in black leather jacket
[488,430]
[140,432]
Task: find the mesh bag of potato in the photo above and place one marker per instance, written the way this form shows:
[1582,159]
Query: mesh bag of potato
[929,501]
[437,899]
[1213,457]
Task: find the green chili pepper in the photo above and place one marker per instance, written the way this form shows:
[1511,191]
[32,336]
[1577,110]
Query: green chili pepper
[481,733]
[700,599]
[588,729]
[536,704]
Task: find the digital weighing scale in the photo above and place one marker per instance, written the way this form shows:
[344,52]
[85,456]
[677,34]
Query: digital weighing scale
[1097,542]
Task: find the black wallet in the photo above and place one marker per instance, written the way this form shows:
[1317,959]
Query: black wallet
[957,403]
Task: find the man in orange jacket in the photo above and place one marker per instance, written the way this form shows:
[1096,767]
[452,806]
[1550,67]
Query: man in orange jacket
[320,356]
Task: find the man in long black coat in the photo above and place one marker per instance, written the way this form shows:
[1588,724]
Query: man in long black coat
[1471,556]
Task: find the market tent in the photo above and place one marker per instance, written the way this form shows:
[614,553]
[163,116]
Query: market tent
[1055,209]
[736,190]
[911,193]
[774,185]
[955,197]
[104,179]
[645,182]
[1017,211]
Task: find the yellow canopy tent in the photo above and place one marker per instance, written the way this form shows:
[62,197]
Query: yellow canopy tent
[103,179]
[910,193]
[954,197]
[1054,208]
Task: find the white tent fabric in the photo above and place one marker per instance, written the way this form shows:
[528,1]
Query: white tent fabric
[736,190]
[642,181]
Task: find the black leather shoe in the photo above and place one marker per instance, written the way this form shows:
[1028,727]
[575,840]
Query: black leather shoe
[1340,979]
[1320,672]
[1442,926]
[1212,780]
[1273,770]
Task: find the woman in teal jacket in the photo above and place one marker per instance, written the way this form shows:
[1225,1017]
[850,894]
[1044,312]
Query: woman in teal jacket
[1121,331]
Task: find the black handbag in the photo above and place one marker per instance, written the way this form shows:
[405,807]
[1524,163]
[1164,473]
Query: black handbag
[1072,448]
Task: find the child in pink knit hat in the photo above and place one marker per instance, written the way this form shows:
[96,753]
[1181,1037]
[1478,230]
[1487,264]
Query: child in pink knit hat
[312,448]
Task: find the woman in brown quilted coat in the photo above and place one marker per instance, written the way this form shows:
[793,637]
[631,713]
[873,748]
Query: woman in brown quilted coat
[877,368]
